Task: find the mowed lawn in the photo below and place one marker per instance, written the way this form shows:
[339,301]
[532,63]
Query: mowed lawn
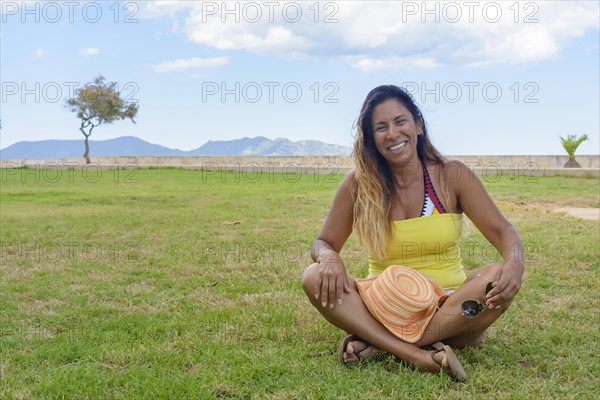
[182,284]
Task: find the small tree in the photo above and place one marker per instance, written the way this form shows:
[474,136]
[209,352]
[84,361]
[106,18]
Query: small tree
[570,144]
[99,103]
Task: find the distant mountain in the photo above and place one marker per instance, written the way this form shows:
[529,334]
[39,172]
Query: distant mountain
[132,146]
[261,146]
[123,146]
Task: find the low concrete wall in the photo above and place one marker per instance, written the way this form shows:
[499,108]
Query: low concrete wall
[586,161]
[482,165]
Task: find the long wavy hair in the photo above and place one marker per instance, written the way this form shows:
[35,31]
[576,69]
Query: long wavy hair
[375,184]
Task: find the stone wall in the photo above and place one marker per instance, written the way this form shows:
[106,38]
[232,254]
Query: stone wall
[488,165]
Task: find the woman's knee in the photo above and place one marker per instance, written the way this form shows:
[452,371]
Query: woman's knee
[309,278]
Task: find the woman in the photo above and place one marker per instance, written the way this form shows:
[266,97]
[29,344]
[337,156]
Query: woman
[405,203]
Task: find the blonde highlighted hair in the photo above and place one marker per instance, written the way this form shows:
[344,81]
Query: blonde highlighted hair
[374,182]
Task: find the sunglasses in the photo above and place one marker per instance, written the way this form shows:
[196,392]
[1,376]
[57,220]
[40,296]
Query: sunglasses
[472,308]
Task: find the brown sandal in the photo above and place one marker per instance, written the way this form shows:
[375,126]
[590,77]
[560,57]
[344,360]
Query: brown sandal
[456,369]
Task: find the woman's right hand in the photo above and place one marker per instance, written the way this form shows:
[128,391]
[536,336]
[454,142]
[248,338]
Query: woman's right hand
[332,280]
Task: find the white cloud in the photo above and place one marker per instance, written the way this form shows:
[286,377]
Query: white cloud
[40,52]
[261,38]
[90,51]
[374,35]
[188,63]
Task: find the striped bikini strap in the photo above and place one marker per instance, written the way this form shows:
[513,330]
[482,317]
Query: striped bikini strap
[430,191]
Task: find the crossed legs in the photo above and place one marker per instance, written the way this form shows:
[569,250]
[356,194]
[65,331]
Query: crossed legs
[448,323]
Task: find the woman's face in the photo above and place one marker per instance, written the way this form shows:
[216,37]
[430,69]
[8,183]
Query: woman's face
[395,132]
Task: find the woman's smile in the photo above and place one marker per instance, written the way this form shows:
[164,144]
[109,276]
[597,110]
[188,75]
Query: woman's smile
[398,147]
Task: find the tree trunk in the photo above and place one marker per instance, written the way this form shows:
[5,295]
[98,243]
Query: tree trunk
[572,164]
[86,155]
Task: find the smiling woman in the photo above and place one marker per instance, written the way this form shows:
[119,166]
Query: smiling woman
[417,292]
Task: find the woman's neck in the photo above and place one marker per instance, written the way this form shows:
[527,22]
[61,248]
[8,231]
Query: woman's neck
[408,174]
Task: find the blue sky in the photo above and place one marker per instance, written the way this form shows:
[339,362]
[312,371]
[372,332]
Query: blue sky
[491,77]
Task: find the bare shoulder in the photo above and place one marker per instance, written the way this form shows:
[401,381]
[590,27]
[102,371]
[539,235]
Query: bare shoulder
[451,179]
[348,184]
[351,176]
[450,172]
[457,164]
[458,174]
[466,186]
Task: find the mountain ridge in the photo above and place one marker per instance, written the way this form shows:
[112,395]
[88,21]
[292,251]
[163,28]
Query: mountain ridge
[134,146]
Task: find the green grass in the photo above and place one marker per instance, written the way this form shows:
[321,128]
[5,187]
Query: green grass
[122,290]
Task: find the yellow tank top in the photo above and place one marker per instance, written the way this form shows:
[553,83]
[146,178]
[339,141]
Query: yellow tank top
[428,245]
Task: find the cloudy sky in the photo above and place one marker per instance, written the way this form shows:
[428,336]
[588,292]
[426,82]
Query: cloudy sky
[501,77]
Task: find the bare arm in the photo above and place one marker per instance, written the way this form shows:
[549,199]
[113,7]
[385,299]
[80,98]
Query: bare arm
[474,200]
[332,280]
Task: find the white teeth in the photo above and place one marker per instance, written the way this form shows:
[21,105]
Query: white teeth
[398,146]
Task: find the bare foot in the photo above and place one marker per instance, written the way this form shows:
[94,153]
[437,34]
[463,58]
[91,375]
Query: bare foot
[447,361]
[357,350]
[439,359]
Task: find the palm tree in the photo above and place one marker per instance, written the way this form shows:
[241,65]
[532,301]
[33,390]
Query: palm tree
[570,144]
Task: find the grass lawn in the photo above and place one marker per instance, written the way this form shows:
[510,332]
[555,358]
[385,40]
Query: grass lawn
[175,284]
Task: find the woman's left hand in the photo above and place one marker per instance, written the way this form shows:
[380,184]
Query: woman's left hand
[505,286]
